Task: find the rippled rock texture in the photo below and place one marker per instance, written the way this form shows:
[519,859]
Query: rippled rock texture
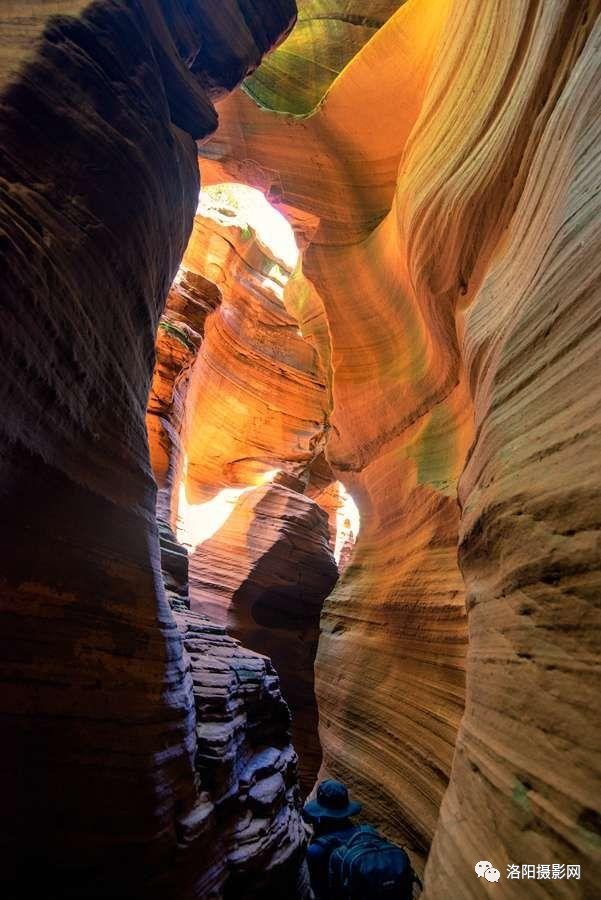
[100,107]
[453,289]
[390,665]
[180,332]
[439,162]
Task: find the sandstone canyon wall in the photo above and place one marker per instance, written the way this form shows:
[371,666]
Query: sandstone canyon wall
[453,287]
[101,106]
[435,350]
[246,404]
[391,655]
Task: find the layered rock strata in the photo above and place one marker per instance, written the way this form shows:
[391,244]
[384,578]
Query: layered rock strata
[174,568]
[468,182]
[327,35]
[99,184]
[527,766]
[390,665]
[265,575]
[447,180]
[246,826]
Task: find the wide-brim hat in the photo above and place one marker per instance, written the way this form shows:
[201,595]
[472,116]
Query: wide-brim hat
[332,802]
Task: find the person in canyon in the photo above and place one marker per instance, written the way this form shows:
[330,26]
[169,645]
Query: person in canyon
[330,817]
[348,861]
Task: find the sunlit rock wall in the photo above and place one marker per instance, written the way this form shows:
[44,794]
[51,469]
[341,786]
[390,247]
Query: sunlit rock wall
[451,167]
[258,400]
[327,35]
[525,782]
[180,332]
[391,656]
[100,109]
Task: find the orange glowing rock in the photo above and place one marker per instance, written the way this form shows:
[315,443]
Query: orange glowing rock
[258,399]
[393,638]
[429,165]
[248,405]
[179,336]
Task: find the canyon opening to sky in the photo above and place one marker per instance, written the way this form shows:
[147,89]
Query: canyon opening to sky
[300,441]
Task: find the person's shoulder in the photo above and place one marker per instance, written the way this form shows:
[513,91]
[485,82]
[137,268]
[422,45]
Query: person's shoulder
[316,849]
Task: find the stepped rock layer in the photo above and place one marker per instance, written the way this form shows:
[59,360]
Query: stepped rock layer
[99,184]
[467,182]
[265,575]
[245,830]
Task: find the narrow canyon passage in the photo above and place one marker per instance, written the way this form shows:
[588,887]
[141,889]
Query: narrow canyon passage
[238,422]
[299,442]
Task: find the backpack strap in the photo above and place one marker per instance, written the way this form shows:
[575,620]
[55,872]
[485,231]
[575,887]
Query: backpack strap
[363,832]
[328,841]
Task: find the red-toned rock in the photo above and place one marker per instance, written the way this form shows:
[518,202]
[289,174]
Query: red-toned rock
[99,184]
[180,332]
[257,397]
[251,403]
[454,292]
[442,177]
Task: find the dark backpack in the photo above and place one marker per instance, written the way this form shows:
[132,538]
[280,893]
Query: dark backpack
[368,867]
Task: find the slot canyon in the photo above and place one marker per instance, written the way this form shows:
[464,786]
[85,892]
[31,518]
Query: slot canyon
[300,442]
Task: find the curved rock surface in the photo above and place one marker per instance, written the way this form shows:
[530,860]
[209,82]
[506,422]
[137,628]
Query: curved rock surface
[265,575]
[258,401]
[390,663]
[180,332]
[441,171]
[442,196]
[527,765]
[327,35]
[99,184]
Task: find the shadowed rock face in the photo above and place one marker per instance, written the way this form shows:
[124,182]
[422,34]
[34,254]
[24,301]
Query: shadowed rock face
[455,294]
[99,188]
[245,833]
[265,575]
